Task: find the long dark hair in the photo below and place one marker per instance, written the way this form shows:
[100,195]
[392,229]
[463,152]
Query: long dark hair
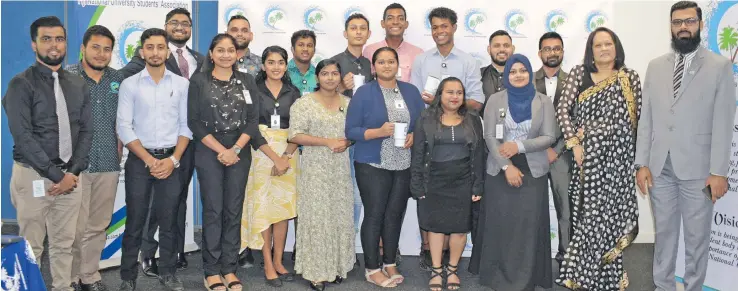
[435,110]
[322,64]
[275,49]
[589,51]
[384,49]
[214,42]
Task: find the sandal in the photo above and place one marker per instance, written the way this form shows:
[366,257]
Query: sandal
[215,286]
[397,277]
[436,272]
[234,285]
[389,283]
[449,273]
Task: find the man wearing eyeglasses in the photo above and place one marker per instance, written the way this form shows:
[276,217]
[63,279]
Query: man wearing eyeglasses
[500,49]
[684,138]
[549,80]
[184,62]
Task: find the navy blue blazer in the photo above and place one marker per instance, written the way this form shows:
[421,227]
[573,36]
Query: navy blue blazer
[367,110]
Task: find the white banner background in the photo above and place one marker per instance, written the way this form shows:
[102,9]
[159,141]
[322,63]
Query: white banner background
[273,23]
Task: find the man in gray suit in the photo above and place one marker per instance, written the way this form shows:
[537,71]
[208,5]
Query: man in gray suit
[549,80]
[684,140]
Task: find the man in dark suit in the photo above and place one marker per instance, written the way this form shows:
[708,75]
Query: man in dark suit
[549,80]
[184,62]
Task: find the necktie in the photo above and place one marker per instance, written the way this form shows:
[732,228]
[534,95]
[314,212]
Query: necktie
[678,73]
[65,133]
[184,67]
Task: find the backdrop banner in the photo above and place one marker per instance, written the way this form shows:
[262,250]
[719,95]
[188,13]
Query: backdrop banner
[273,23]
[126,19]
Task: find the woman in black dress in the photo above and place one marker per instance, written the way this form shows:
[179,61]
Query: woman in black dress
[447,170]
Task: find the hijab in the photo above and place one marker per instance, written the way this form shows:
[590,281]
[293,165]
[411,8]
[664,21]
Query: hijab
[519,99]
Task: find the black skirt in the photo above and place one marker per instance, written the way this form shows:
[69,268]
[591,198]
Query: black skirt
[446,207]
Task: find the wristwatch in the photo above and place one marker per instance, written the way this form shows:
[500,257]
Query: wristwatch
[237,149]
[289,156]
[174,161]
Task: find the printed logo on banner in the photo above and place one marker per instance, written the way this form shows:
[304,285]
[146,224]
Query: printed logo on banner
[515,22]
[317,58]
[313,18]
[722,31]
[595,19]
[233,10]
[129,35]
[273,18]
[472,21]
[555,20]
[351,11]
[426,21]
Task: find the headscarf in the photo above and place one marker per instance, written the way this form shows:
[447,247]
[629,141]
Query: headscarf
[519,99]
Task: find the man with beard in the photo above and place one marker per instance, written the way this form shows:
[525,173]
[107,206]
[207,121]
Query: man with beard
[500,48]
[182,61]
[683,145]
[152,124]
[446,60]
[99,183]
[49,116]
[300,67]
[549,80]
[394,21]
[240,28]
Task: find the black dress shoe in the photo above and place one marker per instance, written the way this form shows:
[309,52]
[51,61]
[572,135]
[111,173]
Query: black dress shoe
[97,286]
[77,286]
[246,259]
[288,277]
[181,261]
[129,285]
[149,267]
[317,286]
[338,280]
[171,283]
[276,282]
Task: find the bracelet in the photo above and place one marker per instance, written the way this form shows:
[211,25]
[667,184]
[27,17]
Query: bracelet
[572,142]
[289,156]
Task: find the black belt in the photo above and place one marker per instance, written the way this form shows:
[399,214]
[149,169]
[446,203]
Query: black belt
[161,151]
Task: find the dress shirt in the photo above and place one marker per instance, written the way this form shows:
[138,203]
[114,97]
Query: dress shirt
[351,64]
[191,61]
[457,64]
[687,61]
[305,82]
[30,105]
[250,63]
[551,86]
[406,51]
[104,102]
[282,103]
[155,114]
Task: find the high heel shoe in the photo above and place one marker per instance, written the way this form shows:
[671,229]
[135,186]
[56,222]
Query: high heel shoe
[317,286]
[436,272]
[449,273]
[215,286]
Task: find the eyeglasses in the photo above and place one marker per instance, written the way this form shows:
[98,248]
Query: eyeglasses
[184,24]
[688,21]
[548,49]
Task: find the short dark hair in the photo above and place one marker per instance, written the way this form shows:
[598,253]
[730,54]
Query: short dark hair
[322,64]
[589,52]
[97,30]
[550,35]
[394,6]
[443,13]
[303,34]
[46,21]
[152,32]
[355,16]
[176,11]
[681,5]
[499,33]
[238,16]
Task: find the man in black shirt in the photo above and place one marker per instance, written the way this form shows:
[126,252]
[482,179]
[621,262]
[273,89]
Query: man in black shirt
[49,116]
[354,66]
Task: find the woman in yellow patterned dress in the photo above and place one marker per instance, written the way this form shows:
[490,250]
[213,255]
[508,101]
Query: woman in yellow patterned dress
[271,196]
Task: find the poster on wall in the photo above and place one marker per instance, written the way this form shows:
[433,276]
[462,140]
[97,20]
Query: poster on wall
[273,23]
[127,20]
[721,37]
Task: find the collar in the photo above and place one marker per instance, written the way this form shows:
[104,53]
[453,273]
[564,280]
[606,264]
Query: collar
[454,51]
[351,56]
[145,74]
[173,48]
[80,70]
[263,87]
[686,56]
[541,74]
[46,71]
[292,66]
[384,43]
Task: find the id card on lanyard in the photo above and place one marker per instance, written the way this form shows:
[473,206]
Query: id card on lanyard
[500,126]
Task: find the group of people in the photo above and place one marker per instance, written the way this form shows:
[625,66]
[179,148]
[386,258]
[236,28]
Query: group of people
[371,127]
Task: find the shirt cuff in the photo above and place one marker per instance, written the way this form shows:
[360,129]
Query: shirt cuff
[718,175]
[521,147]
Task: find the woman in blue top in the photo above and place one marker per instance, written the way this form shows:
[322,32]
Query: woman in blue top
[382,169]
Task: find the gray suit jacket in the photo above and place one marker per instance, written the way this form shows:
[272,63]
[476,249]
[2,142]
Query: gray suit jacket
[696,127]
[540,137]
[540,84]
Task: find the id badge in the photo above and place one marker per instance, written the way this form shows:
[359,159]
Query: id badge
[499,131]
[39,189]
[399,104]
[247,96]
[243,70]
[305,93]
[275,122]
[399,74]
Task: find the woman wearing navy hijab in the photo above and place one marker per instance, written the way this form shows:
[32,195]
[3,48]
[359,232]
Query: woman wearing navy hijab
[514,223]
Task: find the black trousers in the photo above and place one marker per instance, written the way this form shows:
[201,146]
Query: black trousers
[222,192]
[186,168]
[139,183]
[384,194]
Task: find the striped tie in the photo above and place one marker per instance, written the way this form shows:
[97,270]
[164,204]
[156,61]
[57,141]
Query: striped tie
[678,73]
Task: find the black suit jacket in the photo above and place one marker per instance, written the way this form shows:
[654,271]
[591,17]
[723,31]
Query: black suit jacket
[137,63]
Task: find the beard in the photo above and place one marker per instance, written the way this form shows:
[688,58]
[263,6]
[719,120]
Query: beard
[49,61]
[552,62]
[94,67]
[149,63]
[498,62]
[685,45]
[179,42]
[242,46]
